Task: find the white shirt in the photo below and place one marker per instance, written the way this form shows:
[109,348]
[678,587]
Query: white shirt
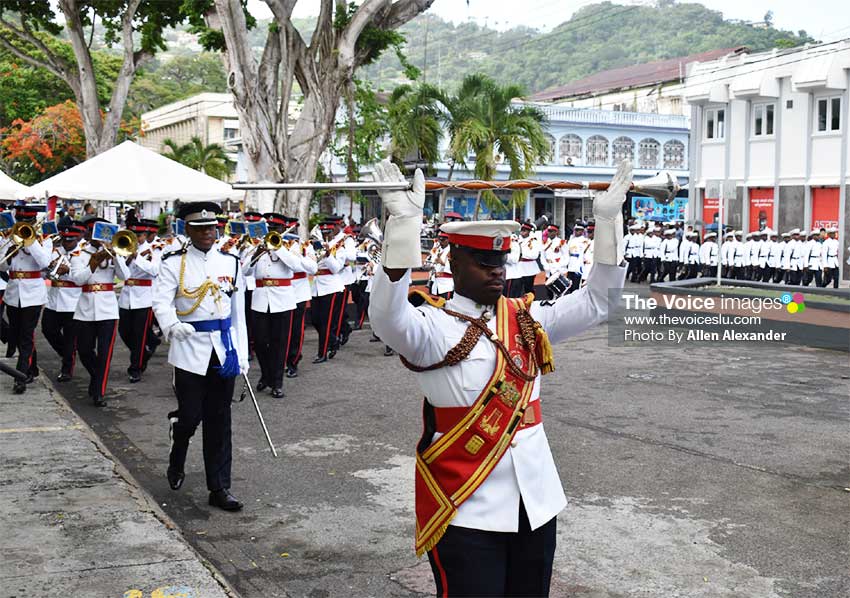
[424,335]
[765,248]
[651,246]
[512,268]
[280,264]
[63,299]
[307,266]
[96,306]
[346,251]
[27,292]
[634,245]
[708,253]
[143,267]
[194,353]
[443,281]
[529,251]
[774,259]
[829,252]
[670,250]
[555,252]
[575,253]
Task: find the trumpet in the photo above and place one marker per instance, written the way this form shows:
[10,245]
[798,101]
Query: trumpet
[53,275]
[23,235]
[271,242]
[123,243]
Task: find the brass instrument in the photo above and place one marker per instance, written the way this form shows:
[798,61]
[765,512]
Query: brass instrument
[54,272]
[23,235]
[123,243]
[273,240]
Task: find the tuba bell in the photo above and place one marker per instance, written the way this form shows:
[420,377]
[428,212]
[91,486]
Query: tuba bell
[372,230]
[663,187]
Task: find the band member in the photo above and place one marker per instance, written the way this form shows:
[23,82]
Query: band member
[634,251]
[345,250]
[708,252]
[301,286]
[25,294]
[273,304]
[328,292]
[514,285]
[773,272]
[444,284]
[135,314]
[429,263]
[555,251]
[829,251]
[575,256]
[487,490]
[651,258]
[529,254]
[669,251]
[95,268]
[57,320]
[250,284]
[198,302]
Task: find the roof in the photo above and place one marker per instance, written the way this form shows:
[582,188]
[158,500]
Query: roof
[638,75]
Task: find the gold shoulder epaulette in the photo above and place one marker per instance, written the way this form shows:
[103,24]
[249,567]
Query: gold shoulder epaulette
[430,299]
[528,299]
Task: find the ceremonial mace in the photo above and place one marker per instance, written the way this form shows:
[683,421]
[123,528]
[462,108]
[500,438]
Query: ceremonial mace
[663,187]
[257,409]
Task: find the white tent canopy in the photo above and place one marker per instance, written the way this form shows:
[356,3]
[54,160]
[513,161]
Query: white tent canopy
[9,187]
[128,172]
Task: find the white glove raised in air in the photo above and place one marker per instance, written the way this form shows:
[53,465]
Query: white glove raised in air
[401,234]
[608,213]
[180,331]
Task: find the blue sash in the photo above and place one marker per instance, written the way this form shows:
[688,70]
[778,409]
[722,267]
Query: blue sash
[230,367]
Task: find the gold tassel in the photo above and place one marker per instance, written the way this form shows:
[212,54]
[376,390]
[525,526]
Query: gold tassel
[545,358]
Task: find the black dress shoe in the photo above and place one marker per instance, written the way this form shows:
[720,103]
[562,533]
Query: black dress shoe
[261,386]
[374,339]
[63,377]
[277,393]
[388,352]
[175,478]
[98,401]
[331,353]
[343,339]
[134,378]
[321,359]
[19,388]
[30,379]
[291,372]
[224,500]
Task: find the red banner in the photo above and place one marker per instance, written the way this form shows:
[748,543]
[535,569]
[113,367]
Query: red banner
[710,208]
[825,207]
[761,208]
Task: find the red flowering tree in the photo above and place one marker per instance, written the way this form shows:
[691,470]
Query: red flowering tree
[47,144]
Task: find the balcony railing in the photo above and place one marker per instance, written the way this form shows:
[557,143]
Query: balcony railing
[611,117]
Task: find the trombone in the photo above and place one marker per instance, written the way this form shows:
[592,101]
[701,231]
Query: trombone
[123,243]
[22,235]
[271,242]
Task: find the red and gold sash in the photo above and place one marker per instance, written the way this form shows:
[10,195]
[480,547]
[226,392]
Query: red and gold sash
[451,469]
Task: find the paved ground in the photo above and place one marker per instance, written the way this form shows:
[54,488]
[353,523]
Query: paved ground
[72,524]
[707,472]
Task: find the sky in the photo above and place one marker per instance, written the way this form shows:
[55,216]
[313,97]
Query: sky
[827,20]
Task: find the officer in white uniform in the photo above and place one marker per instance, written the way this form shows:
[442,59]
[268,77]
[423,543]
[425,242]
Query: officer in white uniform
[96,316]
[444,284]
[25,295]
[57,320]
[708,253]
[576,247]
[301,286]
[796,264]
[198,302]
[669,251]
[764,247]
[651,253]
[501,541]
[812,259]
[691,257]
[555,251]
[328,292]
[514,285]
[634,251]
[529,253]
[829,252]
[784,274]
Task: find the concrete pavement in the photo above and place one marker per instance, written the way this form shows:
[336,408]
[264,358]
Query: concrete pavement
[73,522]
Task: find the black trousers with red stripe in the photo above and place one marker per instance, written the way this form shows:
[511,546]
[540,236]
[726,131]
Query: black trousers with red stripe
[322,311]
[296,340]
[342,327]
[471,562]
[135,326]
[60,330]
[95,342]
[22,324]
[272,333]
[360,299]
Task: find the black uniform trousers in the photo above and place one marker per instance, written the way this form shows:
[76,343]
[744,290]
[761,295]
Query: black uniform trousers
[339,319]
[22,324]
[296,340]
[60,330]
[650,270]
[634,270]
[471,562]
[830,275]
[360,299]
[95,341]
[135,326]
[272,335]
[528,284]
[322,309]
[249,321]
[204,399]
[514,287]
[809,275]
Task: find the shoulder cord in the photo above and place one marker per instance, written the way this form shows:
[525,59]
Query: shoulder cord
[198,294]
[477,328]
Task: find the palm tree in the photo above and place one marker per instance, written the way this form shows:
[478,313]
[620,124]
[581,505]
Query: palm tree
[210,159]
[486,123]
[414,117]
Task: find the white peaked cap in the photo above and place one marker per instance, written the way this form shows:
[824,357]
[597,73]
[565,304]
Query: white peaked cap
[794,231]
[709,235]
[832,229]
[490,235]
[670,231]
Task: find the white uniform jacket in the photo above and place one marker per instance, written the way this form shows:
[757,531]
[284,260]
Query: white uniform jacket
[797,255]
[443,281]
[63,298]
[764,253]
[27,292]
[787,250]
[96,305]
[555,252]
[651,246]
[708,253]
[306,266]
[529,251]
[279,264]
[774,259]
[346,251]
[669,250]
[194,353]
[634,245]
[424,335]
[576,247]
[684,250]
[829,253]
[138,287]
[740,254]
[327,279]
[512,267]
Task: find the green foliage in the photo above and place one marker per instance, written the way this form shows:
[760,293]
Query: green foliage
[210,159]
[181,77]
[210,39]
[414,118]
[370,125]
[597,37]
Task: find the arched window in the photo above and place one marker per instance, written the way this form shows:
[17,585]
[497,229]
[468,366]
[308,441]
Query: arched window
[648,153]
[674,154]
[597,151]
[550,159]
[570,149]
[622,148]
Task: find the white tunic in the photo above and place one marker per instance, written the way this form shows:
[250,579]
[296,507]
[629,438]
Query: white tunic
[708,253]
[278,264]
[306,266]
[556,255]
[443,281]
[59,298]
[651,246]
[193,354]
[669,250]
[829,252]
[575,250]
[96,306]
[529,251]
[27,292]
[143,267]
[512,268]
[424,335]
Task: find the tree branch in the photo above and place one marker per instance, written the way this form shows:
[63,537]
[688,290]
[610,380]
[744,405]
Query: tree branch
[322,33]
[401,12]
[362,17]
[51,62]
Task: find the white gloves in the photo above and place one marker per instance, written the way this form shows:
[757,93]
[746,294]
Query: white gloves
[401,235]
[243,367]
[180,331]
[608,213]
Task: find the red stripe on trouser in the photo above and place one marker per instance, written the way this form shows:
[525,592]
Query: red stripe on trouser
[329,326]
[145,337]
[29,363]
[301,340]
[288,339]
[443,583]
[362,317]
[342,311]
[108,360]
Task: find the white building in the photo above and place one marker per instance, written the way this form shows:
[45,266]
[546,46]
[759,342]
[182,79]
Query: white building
[775,123]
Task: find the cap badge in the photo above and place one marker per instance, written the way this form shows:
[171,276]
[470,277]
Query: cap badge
[204,214]
[498,242]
